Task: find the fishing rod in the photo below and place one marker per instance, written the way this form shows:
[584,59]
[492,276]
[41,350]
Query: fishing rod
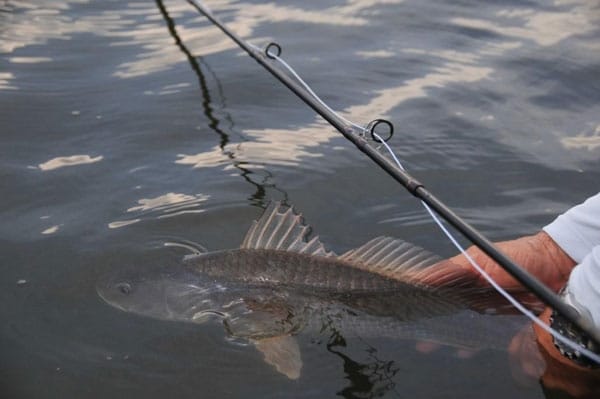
[416,188]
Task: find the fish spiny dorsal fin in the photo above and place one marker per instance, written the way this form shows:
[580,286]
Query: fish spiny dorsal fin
[281,228]
[392,258]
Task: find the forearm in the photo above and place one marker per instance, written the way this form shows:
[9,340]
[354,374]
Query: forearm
[554,265]
[539,254]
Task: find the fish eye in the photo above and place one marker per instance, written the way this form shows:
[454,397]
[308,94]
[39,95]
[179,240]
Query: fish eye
[124,288]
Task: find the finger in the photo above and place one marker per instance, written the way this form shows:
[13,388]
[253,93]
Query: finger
[465,353]
[427,346]
[526,362]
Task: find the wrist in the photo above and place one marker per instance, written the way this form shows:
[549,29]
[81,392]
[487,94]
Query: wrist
[553,257]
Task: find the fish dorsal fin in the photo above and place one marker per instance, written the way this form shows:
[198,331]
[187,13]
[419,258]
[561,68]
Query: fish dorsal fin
[283,353]
[392,258]
[282,228]
[405,262]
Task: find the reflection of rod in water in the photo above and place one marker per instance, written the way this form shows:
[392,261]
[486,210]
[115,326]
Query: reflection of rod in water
[415,187]
[214,122]
[206,102]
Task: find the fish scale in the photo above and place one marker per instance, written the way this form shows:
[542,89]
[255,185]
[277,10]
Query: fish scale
[299,270]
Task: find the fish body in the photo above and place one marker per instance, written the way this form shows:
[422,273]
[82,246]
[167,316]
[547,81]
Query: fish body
[325,279]
[280,283]
[301,271]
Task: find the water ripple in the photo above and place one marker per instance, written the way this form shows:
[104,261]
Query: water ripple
[73,160]
[589,141]
[545,28]
[164,206]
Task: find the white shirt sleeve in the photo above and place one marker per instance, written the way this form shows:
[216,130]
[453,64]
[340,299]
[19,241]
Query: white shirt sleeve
[584,284]
[577,232]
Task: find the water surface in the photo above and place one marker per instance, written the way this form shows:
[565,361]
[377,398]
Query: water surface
[127,124]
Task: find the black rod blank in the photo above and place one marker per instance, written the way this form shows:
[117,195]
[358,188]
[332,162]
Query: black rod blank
[411,184]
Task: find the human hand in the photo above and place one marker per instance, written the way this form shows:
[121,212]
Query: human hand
[535,358]
[526,362]
[538,254]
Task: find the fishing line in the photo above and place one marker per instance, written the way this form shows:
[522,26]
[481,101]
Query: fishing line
[304,84]
[358,136]
[572,344]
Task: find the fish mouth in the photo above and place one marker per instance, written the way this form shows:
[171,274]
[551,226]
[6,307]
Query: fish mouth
[205,315]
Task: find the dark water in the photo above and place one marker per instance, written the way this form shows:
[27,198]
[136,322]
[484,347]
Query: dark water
[126,124]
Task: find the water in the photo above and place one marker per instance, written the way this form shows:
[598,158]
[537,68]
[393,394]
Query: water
[125,125]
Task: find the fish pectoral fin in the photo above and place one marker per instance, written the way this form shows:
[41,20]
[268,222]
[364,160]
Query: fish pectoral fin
[281,228]
[283,353]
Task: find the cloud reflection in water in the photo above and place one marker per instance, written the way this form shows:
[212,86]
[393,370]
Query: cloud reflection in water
[270,147]
[73,160]
[166,205]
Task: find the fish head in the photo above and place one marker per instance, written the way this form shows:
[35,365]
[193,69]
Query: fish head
[162,293]
[179,294]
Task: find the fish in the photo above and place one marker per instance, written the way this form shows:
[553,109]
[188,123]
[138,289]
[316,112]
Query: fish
[282,281]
